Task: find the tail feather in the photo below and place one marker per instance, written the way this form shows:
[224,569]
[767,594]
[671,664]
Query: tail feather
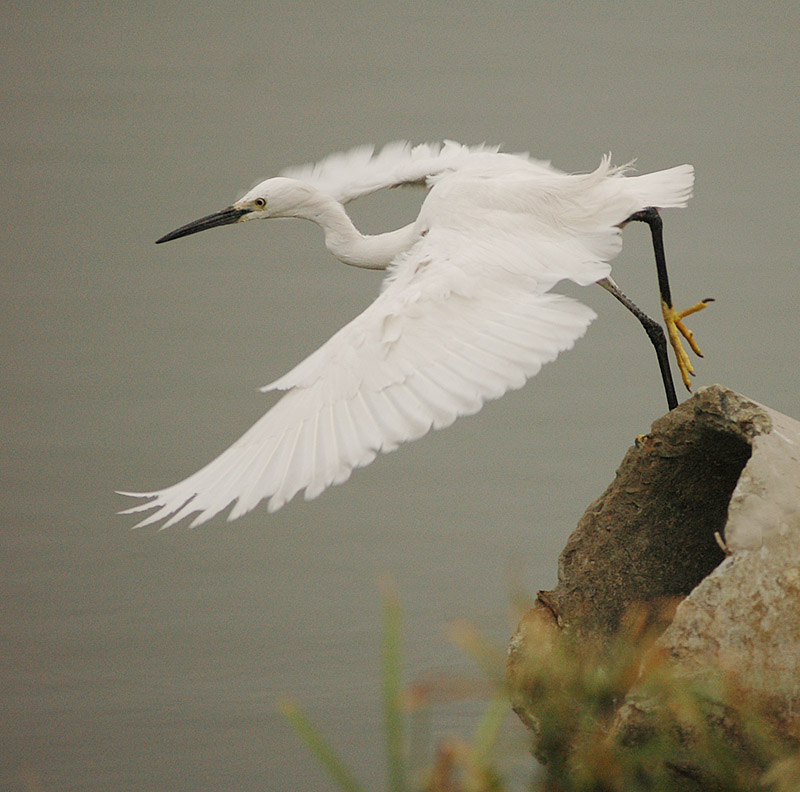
[666,189]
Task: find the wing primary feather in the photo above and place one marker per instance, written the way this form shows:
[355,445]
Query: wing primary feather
[432,393]
[234,481]
[279,496]
[355,450]
[329,456]
[393,424]
[408,405]
[260,480]
[375,440]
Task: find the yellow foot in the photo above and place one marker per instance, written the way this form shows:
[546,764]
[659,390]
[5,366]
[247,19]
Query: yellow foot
[675,329]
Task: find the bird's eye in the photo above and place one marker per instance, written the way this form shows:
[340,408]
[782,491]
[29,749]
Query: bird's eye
[259,203]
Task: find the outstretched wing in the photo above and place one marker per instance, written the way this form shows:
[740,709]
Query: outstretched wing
[351,174]
[459,322]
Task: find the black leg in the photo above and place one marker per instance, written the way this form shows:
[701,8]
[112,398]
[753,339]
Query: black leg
[654,332]
[653,219]
[672,318]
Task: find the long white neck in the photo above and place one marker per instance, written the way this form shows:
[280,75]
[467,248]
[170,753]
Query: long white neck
[352,247]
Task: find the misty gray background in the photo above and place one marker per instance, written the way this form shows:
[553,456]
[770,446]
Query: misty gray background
[139,660]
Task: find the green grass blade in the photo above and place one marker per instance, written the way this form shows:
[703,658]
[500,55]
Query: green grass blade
[489,727]
[318,746]
[391,687]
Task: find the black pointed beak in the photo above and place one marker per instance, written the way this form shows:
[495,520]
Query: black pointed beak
[225,217]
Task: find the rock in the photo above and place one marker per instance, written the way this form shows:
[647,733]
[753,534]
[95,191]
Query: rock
[718,467]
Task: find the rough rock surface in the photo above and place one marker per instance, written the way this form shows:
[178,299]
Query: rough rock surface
[719,465]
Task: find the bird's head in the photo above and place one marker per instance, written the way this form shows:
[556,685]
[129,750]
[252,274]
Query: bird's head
[276,197]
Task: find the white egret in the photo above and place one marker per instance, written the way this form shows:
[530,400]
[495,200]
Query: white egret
[465,312]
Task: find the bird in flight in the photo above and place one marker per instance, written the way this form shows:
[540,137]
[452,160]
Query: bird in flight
[465,312]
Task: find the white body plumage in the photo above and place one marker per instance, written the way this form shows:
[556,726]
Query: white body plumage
[465,312]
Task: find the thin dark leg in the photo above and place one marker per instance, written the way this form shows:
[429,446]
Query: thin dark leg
[654,332]
[651,216]
[672,318]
